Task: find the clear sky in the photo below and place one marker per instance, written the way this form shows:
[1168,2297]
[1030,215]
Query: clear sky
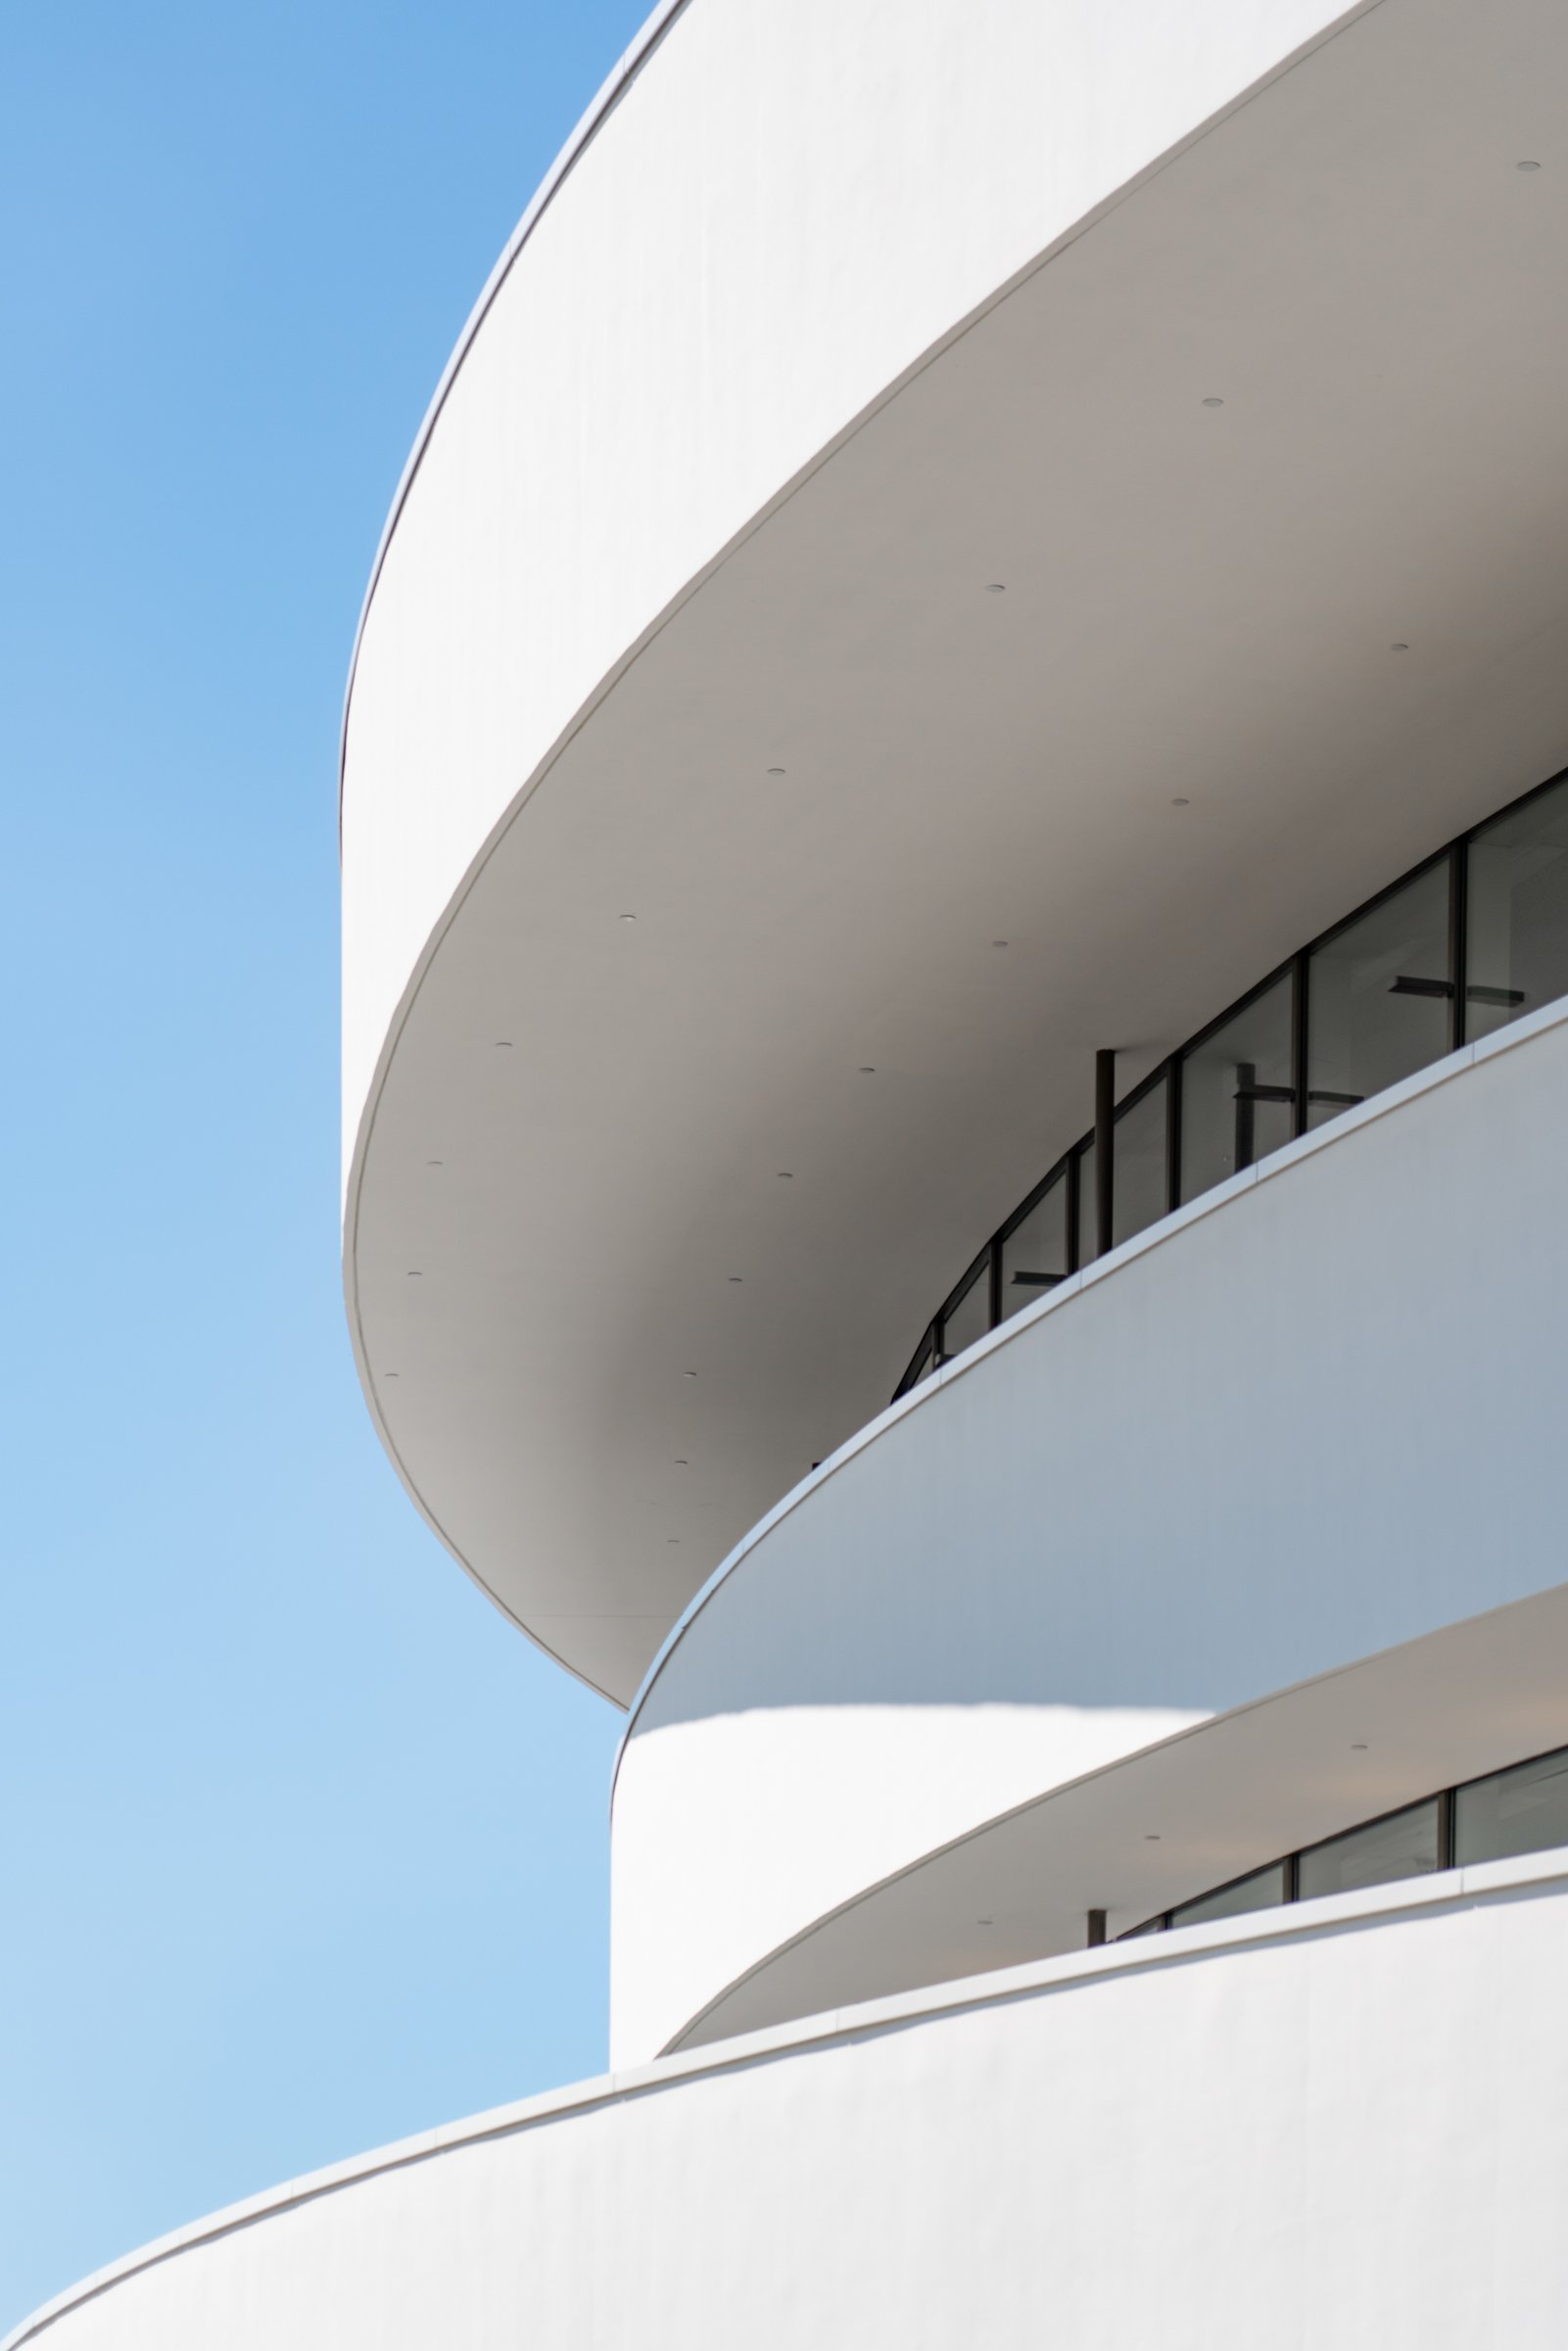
[302,1846]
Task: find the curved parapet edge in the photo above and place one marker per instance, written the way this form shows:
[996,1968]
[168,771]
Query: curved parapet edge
[1490,1894]
[888,1661]
[1128,1252]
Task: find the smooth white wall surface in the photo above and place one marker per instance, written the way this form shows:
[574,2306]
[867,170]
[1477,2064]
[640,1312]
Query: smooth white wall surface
[827,780]
[714,295]
[1338,2128]
[1310,1418]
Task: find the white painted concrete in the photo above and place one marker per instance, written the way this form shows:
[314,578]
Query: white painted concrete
[1302,1422]
[1336,2128]
[788,207]
[1171,1821]
[719,488]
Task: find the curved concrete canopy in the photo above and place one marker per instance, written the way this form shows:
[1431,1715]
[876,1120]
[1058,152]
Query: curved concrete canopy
[631,1236]
[1186,1814]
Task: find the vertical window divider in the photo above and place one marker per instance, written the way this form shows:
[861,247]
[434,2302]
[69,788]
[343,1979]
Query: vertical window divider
[1089,1217]
[1446,1829]
[1298,1037]
[1459,927]
[1104,1149]
[1075,1159]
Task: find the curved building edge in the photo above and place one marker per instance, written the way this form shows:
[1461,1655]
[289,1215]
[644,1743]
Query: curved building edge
[1316,1931]
[589,125]
[434,1513]
[840,1691]
[1154,1236]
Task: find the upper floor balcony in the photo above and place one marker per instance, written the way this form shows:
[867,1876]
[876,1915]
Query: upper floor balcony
[954,541]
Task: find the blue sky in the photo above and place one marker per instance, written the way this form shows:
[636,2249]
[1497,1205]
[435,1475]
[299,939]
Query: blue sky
[300,1846]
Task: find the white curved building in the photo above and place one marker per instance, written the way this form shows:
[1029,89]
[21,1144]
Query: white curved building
[955,788]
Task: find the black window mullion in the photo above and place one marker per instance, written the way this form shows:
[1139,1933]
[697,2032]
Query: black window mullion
[1075,1159]
[1173,1132]
[1298,1037]
[1458,942]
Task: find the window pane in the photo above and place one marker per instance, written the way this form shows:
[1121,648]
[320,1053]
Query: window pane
[1237,1099]
[1260,1892]
[1140,1193]
[971,1319]
[1404,1846]
[1380,998]
[1516,953]
[1520,1811]
[1034,1254]
[924,1365]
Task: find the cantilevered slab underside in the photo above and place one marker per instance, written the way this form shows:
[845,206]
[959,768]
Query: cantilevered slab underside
[1041,647]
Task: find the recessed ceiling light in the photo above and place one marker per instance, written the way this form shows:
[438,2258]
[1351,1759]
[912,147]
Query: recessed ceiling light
[775,771]
[996,587]
[1357,1747]
[629,918]
[868,1069]
[786,1175]
[415,1274]
[681,1462]
[1152,1838]
[986,1922]
[675,1539]
[391,1375]
[689,1375]
[999,942]
[1399,648]
[1527,165]
[738,1277]
[503,1044]
[434,1163]
[1212,400]
[1181,802]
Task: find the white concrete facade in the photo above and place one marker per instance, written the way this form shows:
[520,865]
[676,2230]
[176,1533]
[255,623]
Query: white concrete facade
[1216,1463]
[928,302]
[959,538]
[1226,2139]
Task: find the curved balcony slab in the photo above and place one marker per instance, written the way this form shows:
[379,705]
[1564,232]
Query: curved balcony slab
[1220,1463]
[1174,1819]
[845,315]
[1368,2092]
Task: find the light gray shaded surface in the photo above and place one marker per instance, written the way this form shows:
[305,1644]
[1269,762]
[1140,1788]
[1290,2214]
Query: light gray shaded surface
[1306,1422]
[796,478]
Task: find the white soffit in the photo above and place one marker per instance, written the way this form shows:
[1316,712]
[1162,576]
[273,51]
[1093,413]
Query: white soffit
[1180,1818]
[679,1244]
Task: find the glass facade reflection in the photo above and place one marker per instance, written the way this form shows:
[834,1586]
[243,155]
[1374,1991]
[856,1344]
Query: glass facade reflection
[1238,1089]
[1141,1194]
[1404,1845]
[1260,1892]
[1474,938]
[1520,1811]
[1516,912]
[1036,1251]
[1523,1809]
[1380,996]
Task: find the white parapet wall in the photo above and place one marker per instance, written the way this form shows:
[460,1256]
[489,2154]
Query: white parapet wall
[1339,2126]
[1303,1422]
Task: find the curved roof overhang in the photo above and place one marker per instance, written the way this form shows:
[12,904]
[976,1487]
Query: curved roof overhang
[1178,1818]
[643,1216]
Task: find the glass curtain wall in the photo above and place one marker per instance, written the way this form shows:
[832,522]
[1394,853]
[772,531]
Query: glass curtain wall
[1523,1809]
[1474,939]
